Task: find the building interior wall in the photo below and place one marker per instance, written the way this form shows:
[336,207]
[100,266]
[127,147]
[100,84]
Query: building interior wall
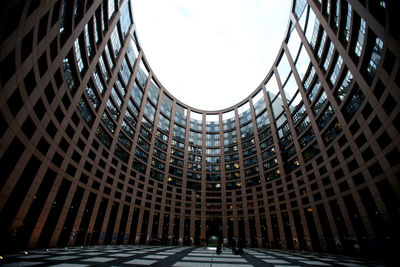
[94,150]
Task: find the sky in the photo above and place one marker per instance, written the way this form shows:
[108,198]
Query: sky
[211,54]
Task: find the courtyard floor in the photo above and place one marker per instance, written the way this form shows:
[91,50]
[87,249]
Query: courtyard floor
[175,256]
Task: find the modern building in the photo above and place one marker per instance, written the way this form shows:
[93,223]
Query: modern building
[94,150]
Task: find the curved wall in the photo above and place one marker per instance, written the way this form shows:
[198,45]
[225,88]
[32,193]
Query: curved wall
[94,150]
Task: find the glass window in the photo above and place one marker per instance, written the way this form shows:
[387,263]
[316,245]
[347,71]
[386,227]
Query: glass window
[212,123]
[133,108]
[212,140]
[195,138]
[91,95]
[259,102]
[103,18]
[232,157]
[228,120]
[85,112]
[311,96]
[290,88]
[159,154]
[375,57]
[143,144]
[149,111]
[163,123]
[361,37]
[268,153]
[128,129]
[281,120]
[113,110]
[328,57]
[180,115]
[195,150]
[160,145]
[302,63]
[277,106]
[176,162]
[194,158]
[78,56]
[142,74]
[96,33]
[162,136]
[311,152]
[346,31]
[108,57]
[141,154]
[302,125]
[166,105]
[104,68]
[299,7]
[125,20]
[123,140]
[294,43]
[337,13]
[272,87]
[312,28]
[321,45]
[295,101]
[63,20]
[284,129]
[213,151]
[319,104]
[108,122]
[336,70]
[325,117]
[299,114]
[332,132]
[262,121]
[154,92]
[248,143]
[148,126]
[89,45]
[137,94]
[230,138]
[177,153]
[250,161]
[309,79]
[111,8]
[125,71]
[247,131]
[158,164]
[283,68]
[179,132]
[354,102]
[266,143]
[344,87]
[97,80]
[132,52]
[196,121]
[121,89]
[244,113]
[115,42]
[132,120]
[270,164]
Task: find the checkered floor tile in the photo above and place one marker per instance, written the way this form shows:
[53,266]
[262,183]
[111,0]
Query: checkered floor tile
[163,256]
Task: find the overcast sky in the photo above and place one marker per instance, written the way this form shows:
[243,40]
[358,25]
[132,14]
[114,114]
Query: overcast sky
[211,54]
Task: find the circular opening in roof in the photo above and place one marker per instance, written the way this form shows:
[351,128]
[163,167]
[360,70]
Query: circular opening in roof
[211,54]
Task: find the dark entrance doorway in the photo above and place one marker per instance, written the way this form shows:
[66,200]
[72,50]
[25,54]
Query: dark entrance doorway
[214,228]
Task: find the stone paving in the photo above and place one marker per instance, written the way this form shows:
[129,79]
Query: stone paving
[176,256]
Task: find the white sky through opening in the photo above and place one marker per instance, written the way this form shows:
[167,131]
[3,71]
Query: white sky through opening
[211,54]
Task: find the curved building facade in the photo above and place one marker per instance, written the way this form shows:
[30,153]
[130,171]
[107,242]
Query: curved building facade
[94,150]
